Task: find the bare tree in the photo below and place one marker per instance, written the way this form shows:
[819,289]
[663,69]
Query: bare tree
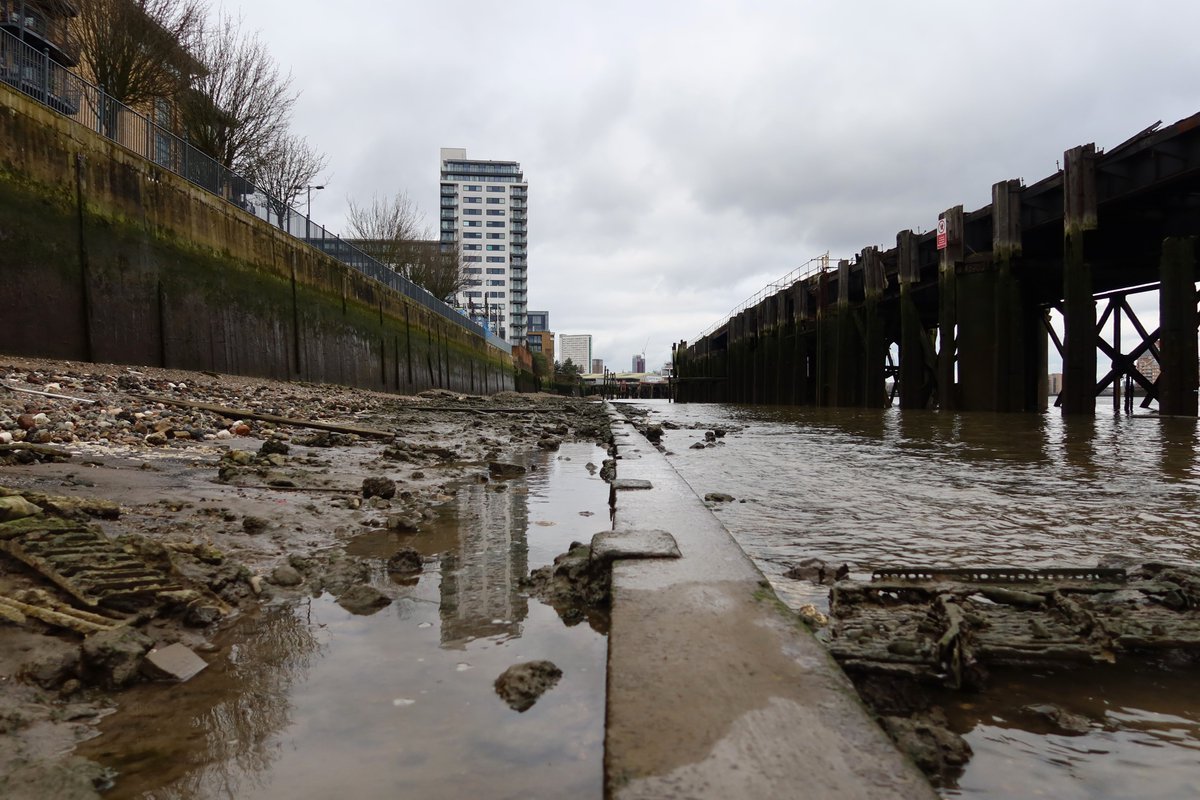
[386,226]
[138,50]
[241,105]
[393,231]
[439,270]
[285,170]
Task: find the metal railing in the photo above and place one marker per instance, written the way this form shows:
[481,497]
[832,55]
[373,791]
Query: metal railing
[37,75]
[809,268]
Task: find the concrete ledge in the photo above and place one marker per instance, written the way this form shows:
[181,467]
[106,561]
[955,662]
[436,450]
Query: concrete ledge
[715,689]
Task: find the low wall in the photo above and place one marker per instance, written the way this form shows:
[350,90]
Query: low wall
[106,257]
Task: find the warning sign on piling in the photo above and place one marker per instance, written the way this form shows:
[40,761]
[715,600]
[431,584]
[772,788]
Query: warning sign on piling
[941,236]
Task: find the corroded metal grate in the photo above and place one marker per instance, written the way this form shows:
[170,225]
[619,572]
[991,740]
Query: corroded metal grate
[89,567]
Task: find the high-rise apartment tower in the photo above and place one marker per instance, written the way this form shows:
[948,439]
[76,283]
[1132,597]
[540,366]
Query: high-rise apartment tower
[484,206]
[577,347]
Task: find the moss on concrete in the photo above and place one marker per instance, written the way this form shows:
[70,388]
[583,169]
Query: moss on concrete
[166,272]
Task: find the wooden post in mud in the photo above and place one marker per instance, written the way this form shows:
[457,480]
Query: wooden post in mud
[1180,377]
[1079,309]
[948,261]
[874,393]
[915,387]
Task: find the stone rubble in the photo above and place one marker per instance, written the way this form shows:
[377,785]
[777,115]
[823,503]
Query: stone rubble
[240,511]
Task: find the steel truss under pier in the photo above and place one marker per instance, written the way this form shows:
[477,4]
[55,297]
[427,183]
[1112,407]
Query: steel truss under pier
[965,305]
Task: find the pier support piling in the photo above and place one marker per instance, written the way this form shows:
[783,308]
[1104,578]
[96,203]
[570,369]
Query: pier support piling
[875,347]
[1079,309]
[949,258]
[1180,376]
[916,369]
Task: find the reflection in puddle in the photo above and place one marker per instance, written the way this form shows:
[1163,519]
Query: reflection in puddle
[312,701]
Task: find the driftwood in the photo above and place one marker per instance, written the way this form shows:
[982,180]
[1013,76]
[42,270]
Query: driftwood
[268,487]
[245,413]
[80,622]
[478,409]
[40,449]
[49,394]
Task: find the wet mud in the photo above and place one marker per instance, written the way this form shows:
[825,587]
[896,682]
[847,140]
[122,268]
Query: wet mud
[351,594]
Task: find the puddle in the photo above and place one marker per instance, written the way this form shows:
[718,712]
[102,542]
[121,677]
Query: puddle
[312,701]
[1141,736]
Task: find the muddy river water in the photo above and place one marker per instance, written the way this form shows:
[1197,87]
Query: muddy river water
[311,701]
[878,488]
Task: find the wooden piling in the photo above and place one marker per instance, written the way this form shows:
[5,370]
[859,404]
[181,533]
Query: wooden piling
[1020,336]
[949,258]
[1180,376]
[914,384]
[1079,309]
[874,394]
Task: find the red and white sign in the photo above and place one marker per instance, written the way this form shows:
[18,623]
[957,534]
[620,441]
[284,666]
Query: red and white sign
[941,236]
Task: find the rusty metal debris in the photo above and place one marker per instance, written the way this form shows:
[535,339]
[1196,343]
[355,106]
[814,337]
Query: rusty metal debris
[947,625]
[87,565]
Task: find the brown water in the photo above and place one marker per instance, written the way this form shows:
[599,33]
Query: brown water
[310,701]
[877,488]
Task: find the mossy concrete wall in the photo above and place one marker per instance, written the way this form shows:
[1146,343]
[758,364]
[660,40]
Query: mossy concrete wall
[106,257]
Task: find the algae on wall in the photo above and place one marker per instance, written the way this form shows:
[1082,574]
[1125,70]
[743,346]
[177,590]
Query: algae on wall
[107,257]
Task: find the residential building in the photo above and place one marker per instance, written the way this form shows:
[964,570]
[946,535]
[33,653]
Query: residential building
[1147,364]
[44,25]
[639,363]
[597,366]
[484,206]
[577,347]
[541,342]
[537,321]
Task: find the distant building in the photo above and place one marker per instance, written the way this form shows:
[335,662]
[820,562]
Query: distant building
[1147,364]
[639,363]
[597,366]
[1055,383]
[577,347]
[537,321]
[668,369]
[484,205]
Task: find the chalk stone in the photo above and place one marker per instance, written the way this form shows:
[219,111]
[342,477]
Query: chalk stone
[174,663]
[609,546]
[631,483]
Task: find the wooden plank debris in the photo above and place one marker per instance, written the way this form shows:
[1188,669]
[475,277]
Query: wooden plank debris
[245,413]
[946,625]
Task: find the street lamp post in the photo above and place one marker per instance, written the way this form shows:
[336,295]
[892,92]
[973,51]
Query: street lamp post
[308,210]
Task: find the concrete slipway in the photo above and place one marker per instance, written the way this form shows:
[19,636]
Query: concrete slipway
[715,690]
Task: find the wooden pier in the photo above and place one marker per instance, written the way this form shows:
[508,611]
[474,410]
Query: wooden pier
[967,305]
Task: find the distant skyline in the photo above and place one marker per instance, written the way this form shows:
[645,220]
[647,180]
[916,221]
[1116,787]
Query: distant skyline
[682,155]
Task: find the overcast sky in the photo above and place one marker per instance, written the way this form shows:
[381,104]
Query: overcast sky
[681,155]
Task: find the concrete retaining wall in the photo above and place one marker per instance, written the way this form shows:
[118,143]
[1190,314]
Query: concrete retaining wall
[106,257]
